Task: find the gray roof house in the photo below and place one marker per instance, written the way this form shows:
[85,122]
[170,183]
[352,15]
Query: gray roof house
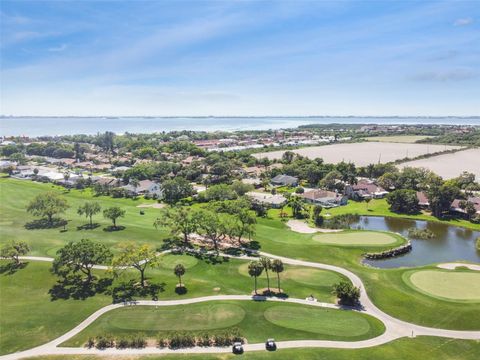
[145,187]
[284,180]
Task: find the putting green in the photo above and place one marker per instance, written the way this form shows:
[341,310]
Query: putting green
[446,285]
[170,261]
[356,238]
[302,275]
[319,321]
[191,317]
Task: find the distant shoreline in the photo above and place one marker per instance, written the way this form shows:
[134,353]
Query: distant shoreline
[35,126]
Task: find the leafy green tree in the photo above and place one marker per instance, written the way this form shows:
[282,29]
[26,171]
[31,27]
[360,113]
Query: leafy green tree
[346,293]
[240,188]
[113,213]
[330,180]
[212,226]
[80,256]
[266,264]
[47,204]
[440,197]
[317,218]
[277,267]
[297,206]
[288,157]
[219,192]
[176,189]
[179,271]
[255,269]
[140,257]
[89,209]
[181,221]
[403,201]
[13,250]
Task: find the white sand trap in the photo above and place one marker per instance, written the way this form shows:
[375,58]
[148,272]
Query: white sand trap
[155,206]
[303,228]
[453,266]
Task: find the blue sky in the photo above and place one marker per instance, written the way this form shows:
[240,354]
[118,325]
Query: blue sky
[240,57]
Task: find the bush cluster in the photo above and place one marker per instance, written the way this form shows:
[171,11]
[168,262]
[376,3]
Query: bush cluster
[122,342]
[341,221]
[176,340]
[420,233]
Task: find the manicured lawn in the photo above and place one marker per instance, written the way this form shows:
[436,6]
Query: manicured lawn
[256,320]
[365,238]
[16,194]
[33,318]
[447,285]
[420,348]
[384,286]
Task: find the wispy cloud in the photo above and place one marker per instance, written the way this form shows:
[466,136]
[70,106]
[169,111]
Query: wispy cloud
[463,21]
[58,48]
[445,75]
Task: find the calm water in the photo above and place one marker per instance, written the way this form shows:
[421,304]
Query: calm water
[450,243]
[37,126]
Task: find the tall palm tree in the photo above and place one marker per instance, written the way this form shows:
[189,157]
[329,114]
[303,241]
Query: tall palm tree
[297,206]
[255,269]
[277,267]
[266,264]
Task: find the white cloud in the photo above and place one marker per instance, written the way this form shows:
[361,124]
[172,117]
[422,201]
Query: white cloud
[463,21]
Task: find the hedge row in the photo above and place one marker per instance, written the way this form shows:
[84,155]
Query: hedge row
[108,341]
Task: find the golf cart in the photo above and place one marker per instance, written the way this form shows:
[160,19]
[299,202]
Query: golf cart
[270,345]
[237,348]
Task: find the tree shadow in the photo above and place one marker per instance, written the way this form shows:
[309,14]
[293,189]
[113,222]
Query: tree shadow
[253,245]
[172,243]
[112,228]
[181,290]
[11,268]
[75,287]
[129,291]
[88,226]
[45,224]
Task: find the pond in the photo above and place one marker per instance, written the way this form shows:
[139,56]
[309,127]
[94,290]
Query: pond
[450,243]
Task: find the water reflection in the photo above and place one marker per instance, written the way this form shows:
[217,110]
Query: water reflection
[450,243]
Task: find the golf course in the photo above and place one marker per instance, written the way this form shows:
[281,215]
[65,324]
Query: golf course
[429,293]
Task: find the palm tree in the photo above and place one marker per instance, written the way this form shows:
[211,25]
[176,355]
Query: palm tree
[134,182]
[266,264]
[179,271]
[255,269]
[297,206]
[277,267]
[367,200]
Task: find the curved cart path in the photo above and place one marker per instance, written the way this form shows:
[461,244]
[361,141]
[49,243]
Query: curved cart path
[394,328]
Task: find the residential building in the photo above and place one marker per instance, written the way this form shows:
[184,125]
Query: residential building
[284,180]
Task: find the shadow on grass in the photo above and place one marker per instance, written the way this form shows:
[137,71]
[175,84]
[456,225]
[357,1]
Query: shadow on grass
[45,224]
[181,290]
[11,268]
[75,287]
[112,228]
[129,291]
[88,226]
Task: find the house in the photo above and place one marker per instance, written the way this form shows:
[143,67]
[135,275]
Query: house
[275,201]
[284,180]
[365,189]
[325,198]
[422,199]
[455,207]
[256,182]
[145,187]
[106,181]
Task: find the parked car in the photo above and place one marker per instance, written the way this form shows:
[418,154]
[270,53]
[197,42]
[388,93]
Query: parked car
[237,348]
[270,345]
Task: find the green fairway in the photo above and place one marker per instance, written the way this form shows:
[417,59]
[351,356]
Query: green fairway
[419,348]
[320,322]
[256,320]
[365,238]
[446,285]
[384,286]
[33,318]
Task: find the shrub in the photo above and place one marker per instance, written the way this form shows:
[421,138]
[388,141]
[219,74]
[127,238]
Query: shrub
[162,341]
[478,243]
[103,342]
[138,342]
[90,342]
[341,221]
[420,233]
[122,343]
[181,340]
[204,339]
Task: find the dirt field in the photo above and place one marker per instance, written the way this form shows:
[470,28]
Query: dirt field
[362,154]
[450,165]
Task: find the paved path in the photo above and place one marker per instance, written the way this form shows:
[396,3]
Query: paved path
[394,328]
[453,266]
